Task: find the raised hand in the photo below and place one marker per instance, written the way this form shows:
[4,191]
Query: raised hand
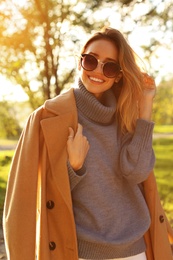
[146,102]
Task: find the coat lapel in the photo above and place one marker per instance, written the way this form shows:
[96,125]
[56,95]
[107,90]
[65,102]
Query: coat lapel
[55,131]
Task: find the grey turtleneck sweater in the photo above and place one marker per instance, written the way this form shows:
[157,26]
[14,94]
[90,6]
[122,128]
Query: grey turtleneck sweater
[110,211]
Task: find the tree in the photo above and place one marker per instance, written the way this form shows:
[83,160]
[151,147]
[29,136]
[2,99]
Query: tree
[9,125]
[163,104]
[38,38]
[35,45]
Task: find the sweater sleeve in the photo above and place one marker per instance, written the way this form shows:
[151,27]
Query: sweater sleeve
[75,177]
[137,156]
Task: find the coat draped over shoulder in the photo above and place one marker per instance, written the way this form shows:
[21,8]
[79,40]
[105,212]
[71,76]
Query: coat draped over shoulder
[38,216]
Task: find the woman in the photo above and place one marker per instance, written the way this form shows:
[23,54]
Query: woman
[78,182]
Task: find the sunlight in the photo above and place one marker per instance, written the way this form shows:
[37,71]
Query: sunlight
[19,3]
[161,60]
[9,91]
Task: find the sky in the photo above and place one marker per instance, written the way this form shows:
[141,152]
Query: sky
[139,36]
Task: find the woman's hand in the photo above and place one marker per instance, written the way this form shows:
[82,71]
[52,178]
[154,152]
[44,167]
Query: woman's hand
[146,102]
[77,148]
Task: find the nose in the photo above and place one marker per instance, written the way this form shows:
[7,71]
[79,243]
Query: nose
[99,67]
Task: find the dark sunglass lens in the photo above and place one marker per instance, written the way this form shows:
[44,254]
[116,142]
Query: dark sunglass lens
[89,62]
[111,69]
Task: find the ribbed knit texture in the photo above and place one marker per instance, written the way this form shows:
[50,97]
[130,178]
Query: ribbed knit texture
[110,211]
[93,109]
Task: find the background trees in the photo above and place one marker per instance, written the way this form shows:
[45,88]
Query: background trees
[163,105]
[39,39]
[9,123]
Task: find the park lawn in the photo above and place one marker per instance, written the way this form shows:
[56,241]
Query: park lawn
[163,129]
[5,160]
[163,148]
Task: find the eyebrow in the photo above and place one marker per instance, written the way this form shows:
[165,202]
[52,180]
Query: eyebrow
[95,54]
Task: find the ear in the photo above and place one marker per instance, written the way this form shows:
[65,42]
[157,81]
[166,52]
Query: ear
[118,77]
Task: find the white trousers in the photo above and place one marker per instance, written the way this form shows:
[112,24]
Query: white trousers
[141,256]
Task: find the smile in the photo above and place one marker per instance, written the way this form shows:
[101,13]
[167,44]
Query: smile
[96,79]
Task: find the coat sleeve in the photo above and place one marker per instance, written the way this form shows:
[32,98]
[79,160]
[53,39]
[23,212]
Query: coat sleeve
[160,234]
[19,218]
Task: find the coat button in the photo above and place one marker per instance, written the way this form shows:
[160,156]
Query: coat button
[161,218]
[52,245]
[50,204]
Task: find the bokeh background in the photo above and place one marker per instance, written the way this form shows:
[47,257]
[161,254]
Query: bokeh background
[39,41]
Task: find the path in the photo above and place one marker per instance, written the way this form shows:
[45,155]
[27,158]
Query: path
[166,135]
[2,247]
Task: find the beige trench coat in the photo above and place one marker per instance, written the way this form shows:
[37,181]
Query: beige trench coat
[38,216]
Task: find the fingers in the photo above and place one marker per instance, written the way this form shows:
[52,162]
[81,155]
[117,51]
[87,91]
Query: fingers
[79,129]
[77,147]
[71,133]
[149,87]
[148,81]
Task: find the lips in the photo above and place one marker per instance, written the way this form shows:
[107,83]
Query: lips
[96,79]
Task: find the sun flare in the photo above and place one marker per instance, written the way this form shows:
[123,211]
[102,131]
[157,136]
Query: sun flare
[19,2]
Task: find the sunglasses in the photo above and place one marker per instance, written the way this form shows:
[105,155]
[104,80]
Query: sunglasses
[110,69]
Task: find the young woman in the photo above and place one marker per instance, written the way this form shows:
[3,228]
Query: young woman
[81,185]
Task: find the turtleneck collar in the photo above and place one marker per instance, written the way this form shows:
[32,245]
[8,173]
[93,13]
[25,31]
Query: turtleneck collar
[93,109]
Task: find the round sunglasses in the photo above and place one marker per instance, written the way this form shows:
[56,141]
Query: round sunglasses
[110,69]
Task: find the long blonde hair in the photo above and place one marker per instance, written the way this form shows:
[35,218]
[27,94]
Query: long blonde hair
[129,89]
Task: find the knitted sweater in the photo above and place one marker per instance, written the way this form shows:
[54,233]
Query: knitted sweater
[110,212]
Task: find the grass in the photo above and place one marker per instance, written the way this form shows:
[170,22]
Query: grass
[163,129]
[5,160]
[163,148]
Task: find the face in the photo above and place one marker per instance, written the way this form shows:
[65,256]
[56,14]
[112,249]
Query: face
[95,81]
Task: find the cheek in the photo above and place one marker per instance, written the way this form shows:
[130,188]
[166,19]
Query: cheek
[82,72]
[111,81]
[82,75]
